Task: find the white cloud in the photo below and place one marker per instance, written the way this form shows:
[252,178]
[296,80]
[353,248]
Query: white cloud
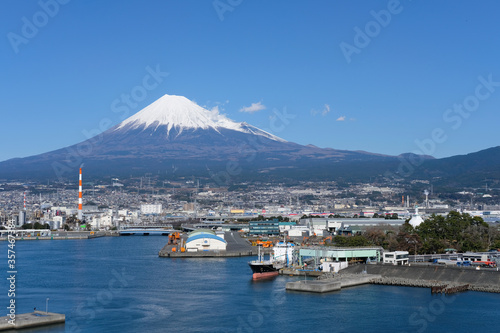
[253,108]
[342,118]
[326,110]
[218,108]
[215,109]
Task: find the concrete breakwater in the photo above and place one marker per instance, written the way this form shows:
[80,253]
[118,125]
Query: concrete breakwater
[30,320]
[331,282]
[432,276]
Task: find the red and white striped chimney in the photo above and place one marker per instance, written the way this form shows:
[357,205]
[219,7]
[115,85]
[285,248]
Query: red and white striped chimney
[80,200]
[24,200]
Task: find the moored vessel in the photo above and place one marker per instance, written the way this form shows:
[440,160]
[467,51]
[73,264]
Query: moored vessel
[263,268]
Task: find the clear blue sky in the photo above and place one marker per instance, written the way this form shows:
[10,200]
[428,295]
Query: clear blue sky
[395,89]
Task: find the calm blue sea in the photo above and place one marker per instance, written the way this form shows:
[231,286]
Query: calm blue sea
[119,284]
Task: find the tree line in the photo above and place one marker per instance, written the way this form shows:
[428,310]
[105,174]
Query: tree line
[437,234]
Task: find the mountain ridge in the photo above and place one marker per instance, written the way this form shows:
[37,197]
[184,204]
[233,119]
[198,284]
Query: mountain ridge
[177,138]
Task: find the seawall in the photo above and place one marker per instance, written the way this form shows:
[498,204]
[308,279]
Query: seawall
[432,275]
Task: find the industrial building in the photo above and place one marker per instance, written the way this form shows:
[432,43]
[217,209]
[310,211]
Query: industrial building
[333,225]
[268,228]
[396,258]
[359,254]
[205,240]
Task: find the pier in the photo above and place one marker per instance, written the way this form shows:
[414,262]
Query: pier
[32,319]
[331,283]
[299,272]
[236,247]
[314,286]
[430,276]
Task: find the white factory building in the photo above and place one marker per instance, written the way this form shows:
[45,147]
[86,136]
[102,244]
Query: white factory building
[396,258]
[204,240]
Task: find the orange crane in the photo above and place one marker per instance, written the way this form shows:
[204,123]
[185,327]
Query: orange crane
[265,243]
[173,238]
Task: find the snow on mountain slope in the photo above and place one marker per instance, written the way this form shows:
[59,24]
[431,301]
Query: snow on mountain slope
[180,113]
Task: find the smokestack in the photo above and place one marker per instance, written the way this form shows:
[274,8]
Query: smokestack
[24,200]
[80,200]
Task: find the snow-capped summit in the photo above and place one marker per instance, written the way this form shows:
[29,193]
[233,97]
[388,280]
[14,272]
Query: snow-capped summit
[179,113]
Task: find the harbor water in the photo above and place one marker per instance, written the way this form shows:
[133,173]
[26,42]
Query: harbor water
[119,284]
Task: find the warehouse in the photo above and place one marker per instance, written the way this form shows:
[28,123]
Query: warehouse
[205,240]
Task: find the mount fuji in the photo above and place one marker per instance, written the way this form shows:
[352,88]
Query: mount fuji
[175,137]
[179,113]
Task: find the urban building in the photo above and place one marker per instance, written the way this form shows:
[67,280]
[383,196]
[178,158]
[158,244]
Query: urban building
[151,209]
[268,227]
[396,258]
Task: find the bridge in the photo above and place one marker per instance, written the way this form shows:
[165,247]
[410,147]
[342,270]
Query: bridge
[146,232]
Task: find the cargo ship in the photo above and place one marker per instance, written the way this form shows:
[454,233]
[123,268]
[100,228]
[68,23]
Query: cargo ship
[283,256]
[263,268]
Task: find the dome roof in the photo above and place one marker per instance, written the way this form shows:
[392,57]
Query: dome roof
[202,236]
[416,219]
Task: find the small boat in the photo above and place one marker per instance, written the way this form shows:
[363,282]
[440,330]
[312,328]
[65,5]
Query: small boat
[263,268]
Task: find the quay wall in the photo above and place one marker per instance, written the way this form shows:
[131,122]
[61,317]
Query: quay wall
[432,275]
[206,254]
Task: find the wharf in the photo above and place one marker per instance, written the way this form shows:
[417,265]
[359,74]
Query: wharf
[296,272]
[454,278]
[32,319]
[236,247]
[207,254]
[62,235]
[314,286]
[337,282]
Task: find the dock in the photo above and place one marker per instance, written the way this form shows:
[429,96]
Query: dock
[32,319]
[299,272]
[335,283]
[445,279]
[236,247]
[314,286]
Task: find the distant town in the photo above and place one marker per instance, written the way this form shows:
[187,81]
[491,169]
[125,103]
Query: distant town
[142,201]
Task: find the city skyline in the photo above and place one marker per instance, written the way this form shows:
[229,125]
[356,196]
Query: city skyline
[370,76]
